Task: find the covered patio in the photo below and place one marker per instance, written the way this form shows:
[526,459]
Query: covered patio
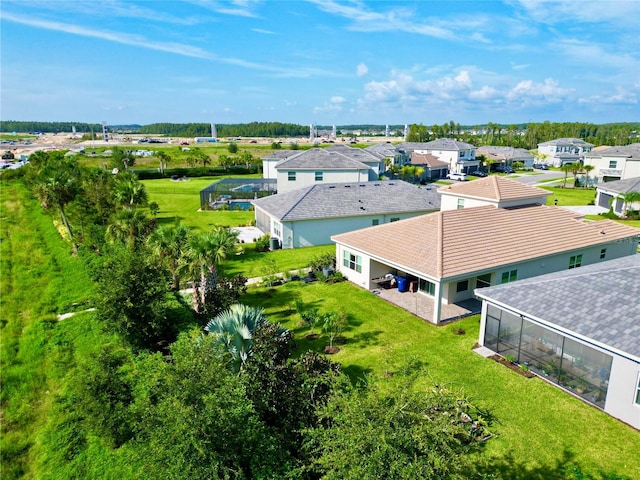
[421,305]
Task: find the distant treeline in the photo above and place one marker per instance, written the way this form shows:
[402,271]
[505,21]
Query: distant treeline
[528,135]
[253,129]
[61,127]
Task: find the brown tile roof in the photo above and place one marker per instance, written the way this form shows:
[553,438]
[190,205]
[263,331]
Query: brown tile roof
[427,159]
[456,242]
[493,187]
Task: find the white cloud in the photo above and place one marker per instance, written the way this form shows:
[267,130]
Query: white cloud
[530,92]
[334,104]
[622,96]
[485,93]
[573,11]
[260,30]
[362,70]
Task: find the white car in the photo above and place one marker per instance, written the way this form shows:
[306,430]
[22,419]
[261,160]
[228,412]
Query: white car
[461,177]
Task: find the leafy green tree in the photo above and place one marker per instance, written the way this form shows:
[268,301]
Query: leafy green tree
[333,324]
[154,208]
[121,159]
[276,146]
[133,298]
[417,133]
[232,148]
[398,433]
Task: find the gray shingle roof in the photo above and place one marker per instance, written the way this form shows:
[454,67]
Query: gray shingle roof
[332,200]
[622,186]
[599,301]
[629,151]
[565,142]
[317,158]
[446,144]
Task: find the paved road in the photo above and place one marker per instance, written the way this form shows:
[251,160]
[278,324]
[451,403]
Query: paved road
[535,179]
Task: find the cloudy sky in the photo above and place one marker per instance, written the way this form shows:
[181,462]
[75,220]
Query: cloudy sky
[320,61]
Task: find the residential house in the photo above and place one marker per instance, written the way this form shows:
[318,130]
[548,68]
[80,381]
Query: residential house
[501,192]
[311,215]
[563,150]
[614,163]
[615,195]
[338,164]
[576,328]
[433,168]
[444,256]
[506,156]
[460,156]
[270,161]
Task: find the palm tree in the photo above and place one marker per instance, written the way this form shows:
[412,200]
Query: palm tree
[57,186]
[587,168]
[129,192]
[235,328]
[566,168]
[131,227]
[203,253]
[168,243]
[629,199]
[164,159]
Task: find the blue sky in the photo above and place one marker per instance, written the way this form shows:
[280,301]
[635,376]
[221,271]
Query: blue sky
[320,61]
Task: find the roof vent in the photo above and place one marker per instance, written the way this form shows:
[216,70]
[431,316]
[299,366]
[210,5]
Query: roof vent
[347,186]
[332,186]
[362,208]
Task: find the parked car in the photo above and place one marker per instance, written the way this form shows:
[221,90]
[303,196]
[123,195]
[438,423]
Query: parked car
[478,173]
[541,166]
[505,170]
[460,177]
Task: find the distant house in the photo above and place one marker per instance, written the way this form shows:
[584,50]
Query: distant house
[460,156]
[311,215]
[577,329]
[337,164]
[506,156]
[433,168]
[270,161]
[614,163]
[445,255]
[501,192]
[563,150]
[612,195]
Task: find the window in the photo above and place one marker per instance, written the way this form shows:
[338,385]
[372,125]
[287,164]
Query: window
[353,262]
[613,164]
[576,260]
[277,229]
[603,253]
[462,286]
[638,392]
[460,203]
[483,281]
[319,176]
[375,221]
[511,276]
[427,287]
[394,219]
[291,176]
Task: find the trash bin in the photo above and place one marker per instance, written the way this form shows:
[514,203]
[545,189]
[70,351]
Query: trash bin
[274,243]
[403,284]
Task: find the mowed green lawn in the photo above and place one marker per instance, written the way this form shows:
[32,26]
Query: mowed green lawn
[570,196]
[539,426]
[179,201]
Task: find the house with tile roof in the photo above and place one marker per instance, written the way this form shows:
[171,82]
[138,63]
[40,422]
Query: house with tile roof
[501,192]
[615,195]
[584,337]
[564,150]
[506,156]
[433,168]
[337,164]
[311,215]
[460,156]
[614,163]
[445,255]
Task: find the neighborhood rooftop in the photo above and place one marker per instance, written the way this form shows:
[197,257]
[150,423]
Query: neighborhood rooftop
[348,199]
[622,186]
[456,242]
[610,316]
[494,188]
[319,158]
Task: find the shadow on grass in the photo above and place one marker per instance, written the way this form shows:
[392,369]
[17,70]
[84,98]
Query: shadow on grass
[565,468]
[356,373]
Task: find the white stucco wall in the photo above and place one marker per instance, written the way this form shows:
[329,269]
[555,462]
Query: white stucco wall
[268,168]
[622,391]
[625,167]
[305,178]
[450,202]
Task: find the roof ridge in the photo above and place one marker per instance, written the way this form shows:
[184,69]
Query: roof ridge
[300,198]
[440,245]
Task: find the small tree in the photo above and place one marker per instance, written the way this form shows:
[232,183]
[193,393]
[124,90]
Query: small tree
[333,324]
[232,147]
[294,146]
[309,316]
[276,146]
[154,208]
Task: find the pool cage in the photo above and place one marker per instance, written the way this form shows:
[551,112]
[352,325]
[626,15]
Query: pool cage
[235,192]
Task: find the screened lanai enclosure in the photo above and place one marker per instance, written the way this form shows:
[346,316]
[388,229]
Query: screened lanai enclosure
[235,193]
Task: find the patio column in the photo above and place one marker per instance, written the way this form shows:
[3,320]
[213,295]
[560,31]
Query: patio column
[437,303]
